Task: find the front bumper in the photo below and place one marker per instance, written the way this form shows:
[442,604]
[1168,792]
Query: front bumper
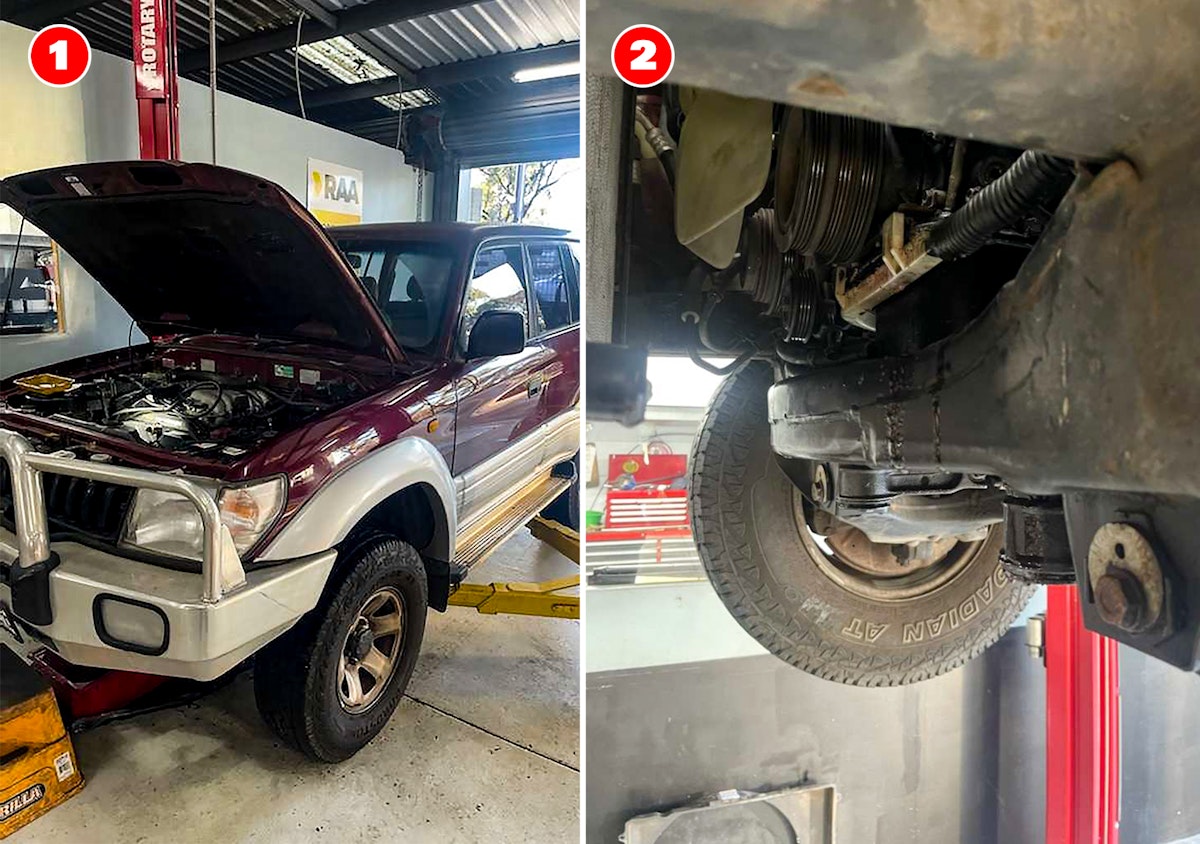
[72,597]
[203,639]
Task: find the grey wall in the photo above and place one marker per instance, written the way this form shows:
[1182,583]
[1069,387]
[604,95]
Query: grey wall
[960,758]
[640,626]
[96,121]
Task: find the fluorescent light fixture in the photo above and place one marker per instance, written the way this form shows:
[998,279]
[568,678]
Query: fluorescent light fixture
[550,71]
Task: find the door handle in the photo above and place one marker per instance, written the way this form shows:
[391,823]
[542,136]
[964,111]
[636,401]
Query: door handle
[535,386]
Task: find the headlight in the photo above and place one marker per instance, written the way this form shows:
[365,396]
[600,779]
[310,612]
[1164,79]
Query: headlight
[167,523]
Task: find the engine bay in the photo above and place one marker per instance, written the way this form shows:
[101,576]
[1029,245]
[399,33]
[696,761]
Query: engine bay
[181,409]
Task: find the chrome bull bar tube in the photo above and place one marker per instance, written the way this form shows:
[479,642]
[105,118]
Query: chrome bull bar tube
[29,503]
[32,526]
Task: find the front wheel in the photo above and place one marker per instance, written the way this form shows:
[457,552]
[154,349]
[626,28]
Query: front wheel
[330,684]
[831,602]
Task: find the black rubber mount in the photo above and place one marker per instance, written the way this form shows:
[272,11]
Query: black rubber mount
[1036,546]
[30,588]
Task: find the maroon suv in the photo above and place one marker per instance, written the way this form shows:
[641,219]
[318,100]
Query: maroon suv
[324,433]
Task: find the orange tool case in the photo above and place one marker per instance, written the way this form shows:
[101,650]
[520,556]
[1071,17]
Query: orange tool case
[38,769]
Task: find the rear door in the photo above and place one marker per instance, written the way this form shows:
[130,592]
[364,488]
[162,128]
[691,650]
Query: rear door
[498,398]
[554,306]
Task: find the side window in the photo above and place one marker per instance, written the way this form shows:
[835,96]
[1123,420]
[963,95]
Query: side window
[497,284]
[368,266]
[551,289]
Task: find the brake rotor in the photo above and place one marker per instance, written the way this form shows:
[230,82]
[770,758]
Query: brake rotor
[880,559]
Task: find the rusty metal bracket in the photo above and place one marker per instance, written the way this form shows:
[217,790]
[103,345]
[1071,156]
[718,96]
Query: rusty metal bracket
[903,263]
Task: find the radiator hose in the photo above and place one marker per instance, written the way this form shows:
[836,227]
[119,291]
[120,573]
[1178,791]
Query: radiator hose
[1032,179]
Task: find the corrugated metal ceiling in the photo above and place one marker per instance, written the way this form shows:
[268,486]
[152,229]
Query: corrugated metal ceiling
[472,32]
[463,34]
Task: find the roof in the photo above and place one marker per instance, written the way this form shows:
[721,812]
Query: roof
[464,233]
[417,53]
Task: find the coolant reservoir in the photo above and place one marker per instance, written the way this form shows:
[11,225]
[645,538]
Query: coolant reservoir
[45,384]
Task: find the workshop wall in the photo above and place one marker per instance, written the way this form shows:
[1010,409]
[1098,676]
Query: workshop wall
[95,121]
[44,127]
[957,758]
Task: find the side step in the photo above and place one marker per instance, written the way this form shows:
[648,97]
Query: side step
[480,538]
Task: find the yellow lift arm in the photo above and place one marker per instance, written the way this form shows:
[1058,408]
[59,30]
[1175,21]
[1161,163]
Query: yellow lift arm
[545,598]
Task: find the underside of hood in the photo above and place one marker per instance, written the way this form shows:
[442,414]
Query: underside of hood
[188,248]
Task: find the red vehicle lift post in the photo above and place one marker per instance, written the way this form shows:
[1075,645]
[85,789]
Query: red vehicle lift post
[1083,727]
[156,78]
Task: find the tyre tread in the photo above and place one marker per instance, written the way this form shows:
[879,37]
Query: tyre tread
[282,668]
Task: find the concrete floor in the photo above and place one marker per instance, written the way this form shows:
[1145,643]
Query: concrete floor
[484,748]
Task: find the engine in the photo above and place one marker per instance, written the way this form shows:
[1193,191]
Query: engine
[804,234]
[184,411]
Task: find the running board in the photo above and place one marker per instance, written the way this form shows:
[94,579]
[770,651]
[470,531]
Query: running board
[482,537]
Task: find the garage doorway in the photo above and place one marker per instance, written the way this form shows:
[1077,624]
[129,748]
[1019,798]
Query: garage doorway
[541,193]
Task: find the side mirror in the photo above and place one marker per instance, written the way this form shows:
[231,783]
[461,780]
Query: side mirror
[496,333]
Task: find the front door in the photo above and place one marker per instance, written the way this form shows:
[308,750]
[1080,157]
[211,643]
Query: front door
[498,398]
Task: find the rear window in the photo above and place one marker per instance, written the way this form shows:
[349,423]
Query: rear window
[554,290]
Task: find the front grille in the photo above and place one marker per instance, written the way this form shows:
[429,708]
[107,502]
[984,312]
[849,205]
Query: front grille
[74,504]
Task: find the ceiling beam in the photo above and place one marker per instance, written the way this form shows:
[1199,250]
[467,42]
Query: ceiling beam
[380,123]
[347,22]
[316,11]
[499,65]
[344,94]
[531,99]
[366,42]
[37,15]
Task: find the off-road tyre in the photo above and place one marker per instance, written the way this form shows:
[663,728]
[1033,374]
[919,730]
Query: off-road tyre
[296,676]
[744,521]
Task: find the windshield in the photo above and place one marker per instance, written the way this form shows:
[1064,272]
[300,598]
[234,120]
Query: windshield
[410,282]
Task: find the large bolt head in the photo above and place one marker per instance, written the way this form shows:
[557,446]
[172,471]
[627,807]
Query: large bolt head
[1128,587]
[1121,600]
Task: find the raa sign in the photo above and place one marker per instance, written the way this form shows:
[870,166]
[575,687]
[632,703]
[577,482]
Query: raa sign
[335,193]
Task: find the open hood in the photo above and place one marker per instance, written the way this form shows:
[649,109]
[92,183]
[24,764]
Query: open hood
[197,248]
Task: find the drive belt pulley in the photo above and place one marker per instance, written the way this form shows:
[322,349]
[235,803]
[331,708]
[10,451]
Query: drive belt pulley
[777,280]
[827,183]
